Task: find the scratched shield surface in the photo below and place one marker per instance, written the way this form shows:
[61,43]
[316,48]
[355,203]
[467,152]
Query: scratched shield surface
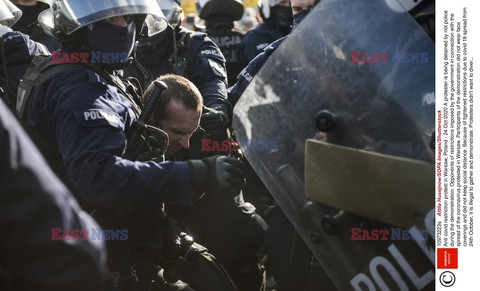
[366,67]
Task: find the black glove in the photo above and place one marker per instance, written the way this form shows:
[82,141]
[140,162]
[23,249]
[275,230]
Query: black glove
[214,122]
[217,174]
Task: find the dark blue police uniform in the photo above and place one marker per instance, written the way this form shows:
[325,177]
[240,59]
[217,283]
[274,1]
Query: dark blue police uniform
[247,74]
[199,60]
[33,201]
[19,52]
[255,41]
[228,40]
[85,118]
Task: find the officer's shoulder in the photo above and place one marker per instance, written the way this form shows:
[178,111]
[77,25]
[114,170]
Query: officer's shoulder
[77,75]
[200,36]
[237,31]
[204,46]
[260,29]
[261,58]
[274,45]
[197,35]
[256,36]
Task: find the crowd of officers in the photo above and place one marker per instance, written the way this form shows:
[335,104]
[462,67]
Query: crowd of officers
[117,145]
[105,179]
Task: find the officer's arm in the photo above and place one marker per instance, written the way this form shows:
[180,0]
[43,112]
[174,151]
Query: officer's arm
[89,121]
[247,74]
[252,45]
[19,52]
[32,202]
[210,75]
[245,77]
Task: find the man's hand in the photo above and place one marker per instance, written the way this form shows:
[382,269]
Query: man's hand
[217,174]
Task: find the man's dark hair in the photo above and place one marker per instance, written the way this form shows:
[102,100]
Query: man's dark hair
[179,89]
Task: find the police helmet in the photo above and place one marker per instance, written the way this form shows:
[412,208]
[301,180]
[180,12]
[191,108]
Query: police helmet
[209,9]
[65,17]
[264,7]
[9,13]
[172,10]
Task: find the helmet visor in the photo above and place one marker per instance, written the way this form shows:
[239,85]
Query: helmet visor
[81,13]
[171,10]
[9,13]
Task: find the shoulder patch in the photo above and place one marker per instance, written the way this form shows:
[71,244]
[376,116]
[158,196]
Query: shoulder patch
[217,69]
[95,117]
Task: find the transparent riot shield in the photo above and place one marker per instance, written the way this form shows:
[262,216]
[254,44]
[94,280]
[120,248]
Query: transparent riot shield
[356,77]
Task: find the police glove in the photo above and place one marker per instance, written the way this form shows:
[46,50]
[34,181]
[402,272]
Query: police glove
[214,122]
[217,174]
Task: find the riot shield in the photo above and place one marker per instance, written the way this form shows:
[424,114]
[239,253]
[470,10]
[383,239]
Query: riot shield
[355,75]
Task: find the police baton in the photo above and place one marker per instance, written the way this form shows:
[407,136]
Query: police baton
[139,127]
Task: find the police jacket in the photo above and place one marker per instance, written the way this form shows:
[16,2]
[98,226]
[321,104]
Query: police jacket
[19,52]
[190,54]
[247,74]
[85,118]
[228,40]
[255,41]
[33,201]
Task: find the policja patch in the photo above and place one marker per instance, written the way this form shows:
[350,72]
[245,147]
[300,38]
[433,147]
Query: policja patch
[217,69]
[98,117]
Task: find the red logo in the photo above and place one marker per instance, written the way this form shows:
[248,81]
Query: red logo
[447,258]
[209,145]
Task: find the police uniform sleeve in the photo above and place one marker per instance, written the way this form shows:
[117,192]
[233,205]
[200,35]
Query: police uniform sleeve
[32,202]
[19,52]
[209,73]
[87,119]
[247,74]
[252,45]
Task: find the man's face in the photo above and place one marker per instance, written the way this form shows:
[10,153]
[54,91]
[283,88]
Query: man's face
[299,5]
[180,123]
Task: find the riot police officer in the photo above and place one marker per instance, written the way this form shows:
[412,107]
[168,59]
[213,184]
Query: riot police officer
[186,53]
[29,25]
[219,16]
[83,116]
[34,201]
[277,22]
[16,53]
